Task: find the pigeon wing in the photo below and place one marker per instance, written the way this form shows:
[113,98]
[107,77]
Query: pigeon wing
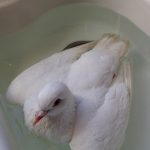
[106,129]
[52,68]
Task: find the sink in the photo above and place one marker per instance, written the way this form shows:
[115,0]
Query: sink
[31,30]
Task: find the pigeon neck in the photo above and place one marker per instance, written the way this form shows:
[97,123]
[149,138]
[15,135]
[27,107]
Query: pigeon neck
[62,126]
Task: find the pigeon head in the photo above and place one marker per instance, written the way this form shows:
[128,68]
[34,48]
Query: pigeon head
[54,99]
[52,112]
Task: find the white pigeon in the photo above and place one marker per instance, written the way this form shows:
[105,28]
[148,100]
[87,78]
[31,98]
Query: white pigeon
[78,96]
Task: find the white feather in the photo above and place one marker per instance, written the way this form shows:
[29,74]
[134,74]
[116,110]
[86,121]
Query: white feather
[54,68]
[95,86]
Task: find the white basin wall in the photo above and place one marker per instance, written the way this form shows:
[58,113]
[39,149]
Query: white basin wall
[16,14]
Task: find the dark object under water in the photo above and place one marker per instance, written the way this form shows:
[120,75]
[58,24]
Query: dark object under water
[74,44]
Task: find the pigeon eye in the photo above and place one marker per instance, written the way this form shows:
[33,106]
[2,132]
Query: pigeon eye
[114,76]
[57,102]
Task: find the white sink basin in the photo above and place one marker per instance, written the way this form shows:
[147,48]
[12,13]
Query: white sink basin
[33,29]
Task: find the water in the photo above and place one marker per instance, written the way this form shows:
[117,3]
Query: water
[52,32]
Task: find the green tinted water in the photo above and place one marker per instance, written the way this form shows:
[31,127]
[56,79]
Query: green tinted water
[51,33]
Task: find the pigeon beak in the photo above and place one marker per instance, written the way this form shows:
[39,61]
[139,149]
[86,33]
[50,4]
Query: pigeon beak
[38,116]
